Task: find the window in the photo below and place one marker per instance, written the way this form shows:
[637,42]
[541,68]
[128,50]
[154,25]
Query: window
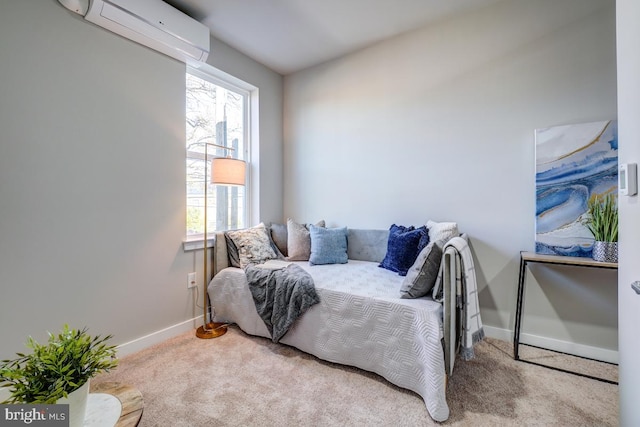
[216,116]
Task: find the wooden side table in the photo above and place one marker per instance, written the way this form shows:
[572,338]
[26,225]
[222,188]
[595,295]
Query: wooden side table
[129,397]
[530,257]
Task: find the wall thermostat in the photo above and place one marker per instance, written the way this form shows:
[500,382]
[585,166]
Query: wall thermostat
[628,179]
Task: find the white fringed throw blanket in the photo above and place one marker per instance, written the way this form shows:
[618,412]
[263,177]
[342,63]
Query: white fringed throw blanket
[466,295]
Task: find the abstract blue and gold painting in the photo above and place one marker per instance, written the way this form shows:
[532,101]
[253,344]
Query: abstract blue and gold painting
[574,163]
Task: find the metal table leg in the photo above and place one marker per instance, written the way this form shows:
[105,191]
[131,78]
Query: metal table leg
[516,332]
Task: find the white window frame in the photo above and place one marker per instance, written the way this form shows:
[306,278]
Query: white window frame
[249,92]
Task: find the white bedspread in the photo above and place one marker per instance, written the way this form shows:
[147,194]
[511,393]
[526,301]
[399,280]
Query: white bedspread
[360,321]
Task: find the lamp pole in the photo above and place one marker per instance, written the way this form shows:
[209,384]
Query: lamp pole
[211,329]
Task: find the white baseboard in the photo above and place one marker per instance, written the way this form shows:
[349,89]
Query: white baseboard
[158,336]
[596,353]
[498,333]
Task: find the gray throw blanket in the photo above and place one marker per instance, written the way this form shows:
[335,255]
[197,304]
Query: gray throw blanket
[281,296]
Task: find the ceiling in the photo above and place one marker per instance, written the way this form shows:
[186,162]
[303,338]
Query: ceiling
[290,35]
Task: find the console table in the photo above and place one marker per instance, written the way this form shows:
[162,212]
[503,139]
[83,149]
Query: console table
[530,257]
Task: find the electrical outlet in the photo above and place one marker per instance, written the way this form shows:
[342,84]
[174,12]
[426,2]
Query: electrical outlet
[191,280]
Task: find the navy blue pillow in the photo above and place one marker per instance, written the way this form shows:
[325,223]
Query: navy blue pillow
[403,247]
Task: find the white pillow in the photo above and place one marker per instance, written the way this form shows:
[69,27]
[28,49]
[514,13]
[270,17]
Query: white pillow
[254,245]
[442,231]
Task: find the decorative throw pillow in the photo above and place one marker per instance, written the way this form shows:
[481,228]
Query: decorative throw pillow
[442,230]
[299,241]
[253,244]
[403,247]
[328,245]
[279,237]
[232,251]
[423,273]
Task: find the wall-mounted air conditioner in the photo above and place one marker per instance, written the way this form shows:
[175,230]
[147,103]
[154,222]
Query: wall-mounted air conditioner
[152,23]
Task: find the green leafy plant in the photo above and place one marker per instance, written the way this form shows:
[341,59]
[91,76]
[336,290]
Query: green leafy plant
[55,369]
[602,218]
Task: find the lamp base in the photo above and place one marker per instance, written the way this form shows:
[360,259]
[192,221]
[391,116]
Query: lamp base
[212,330]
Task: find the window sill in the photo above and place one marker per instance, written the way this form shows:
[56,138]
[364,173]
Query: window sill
[196,243]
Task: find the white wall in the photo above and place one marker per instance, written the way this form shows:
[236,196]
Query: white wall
[92,177]
[628,34]
[439,124]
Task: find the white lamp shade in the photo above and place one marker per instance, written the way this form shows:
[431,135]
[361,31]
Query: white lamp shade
[227,171]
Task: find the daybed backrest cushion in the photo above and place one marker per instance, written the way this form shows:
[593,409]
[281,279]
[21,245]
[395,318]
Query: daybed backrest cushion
[362,245]
[367,245]
[220,255]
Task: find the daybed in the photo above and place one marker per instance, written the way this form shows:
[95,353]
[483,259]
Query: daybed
[361,320]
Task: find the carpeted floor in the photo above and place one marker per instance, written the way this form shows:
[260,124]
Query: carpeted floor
[240,380]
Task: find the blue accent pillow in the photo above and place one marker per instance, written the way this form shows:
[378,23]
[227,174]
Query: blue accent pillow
[328,245]
[403,247]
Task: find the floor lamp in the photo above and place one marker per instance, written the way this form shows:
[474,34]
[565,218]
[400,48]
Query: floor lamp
[224,171]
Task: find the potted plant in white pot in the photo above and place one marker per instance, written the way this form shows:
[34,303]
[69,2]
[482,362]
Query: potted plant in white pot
[602,221]
[59,371]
